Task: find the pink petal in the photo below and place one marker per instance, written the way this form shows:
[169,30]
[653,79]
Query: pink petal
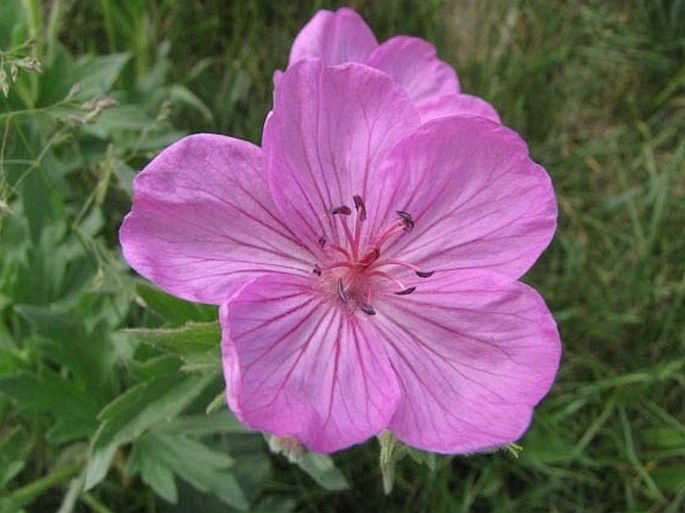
[413,63]
[474,353]
[299,364]
[477,199]
[457,105]
[203,222]
[326,138]
[335,37]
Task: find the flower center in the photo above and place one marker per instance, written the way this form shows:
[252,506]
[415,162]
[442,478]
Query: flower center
[354,272]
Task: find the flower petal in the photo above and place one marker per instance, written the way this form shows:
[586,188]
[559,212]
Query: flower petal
[334,37]
[413,63]
[457,105]
[474,354]
[299,364]
[203,222]
[477,199]
[326,137]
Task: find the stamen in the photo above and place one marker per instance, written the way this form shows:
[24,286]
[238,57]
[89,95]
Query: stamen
[317,270]
[341,291]
[419,272]
[424,274]
[406,292]
[338,249]
[388,277]
[321,241]
[406,219]
[367,309]
[371,257]
[342,209]
[393,229]
[359,205]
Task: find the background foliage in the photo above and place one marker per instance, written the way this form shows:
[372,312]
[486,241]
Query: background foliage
[106,383]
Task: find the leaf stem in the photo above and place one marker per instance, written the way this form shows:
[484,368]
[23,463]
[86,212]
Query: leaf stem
[28,493]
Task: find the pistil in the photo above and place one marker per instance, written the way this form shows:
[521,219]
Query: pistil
[358,270]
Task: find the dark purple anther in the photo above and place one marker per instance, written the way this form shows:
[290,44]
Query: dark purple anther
[406,292]
[406,219]
[341,291]
[342,209]
[360,207]
[424,274]
[367,309]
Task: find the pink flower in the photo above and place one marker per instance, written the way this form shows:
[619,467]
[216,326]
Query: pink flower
[432,84]
[366,265]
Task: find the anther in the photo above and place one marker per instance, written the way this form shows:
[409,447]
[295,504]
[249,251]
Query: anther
[321,241]
[406,292]
[406,219]
[317,270]
[360,207]
[367,309]
[424,274]
[341,291]
[342,209]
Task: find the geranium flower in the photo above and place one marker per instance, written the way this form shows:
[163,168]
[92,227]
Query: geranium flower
[432,84]
[366,265]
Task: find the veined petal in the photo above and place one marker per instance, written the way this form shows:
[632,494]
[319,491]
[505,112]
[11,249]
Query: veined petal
[477,199]
[299,364]
[334,37]
[326,137]
[203,222]
[474,353]
[457,105]
[413,63]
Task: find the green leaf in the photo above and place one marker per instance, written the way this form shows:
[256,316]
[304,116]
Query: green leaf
[174,311]
[96,75]
[12,446]
[321,468]
[202,425]
[138,409]
[196,343]
[664,438]
[670,477]
[392,451]
[183,95]
[71,407]
[191,461]
[154,472]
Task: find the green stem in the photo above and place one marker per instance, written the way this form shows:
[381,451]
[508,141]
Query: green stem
[28,493]
[95,504]
[34,20]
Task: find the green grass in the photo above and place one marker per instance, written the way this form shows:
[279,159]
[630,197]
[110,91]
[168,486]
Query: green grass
[596,88]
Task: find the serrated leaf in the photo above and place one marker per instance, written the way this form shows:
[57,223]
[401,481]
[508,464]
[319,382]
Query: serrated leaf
[71,407]
[197,344]
[203,425]
[175,311]
[138,409]
[322,469]
[193,462]
[153,471]
[191,338]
